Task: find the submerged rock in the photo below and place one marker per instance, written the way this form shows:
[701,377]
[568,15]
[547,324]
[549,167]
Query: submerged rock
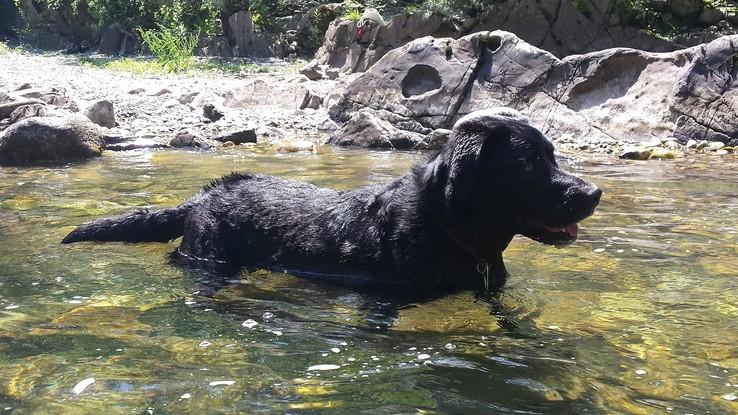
[48,140]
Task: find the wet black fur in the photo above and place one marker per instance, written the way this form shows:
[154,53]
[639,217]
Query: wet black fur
[496,177]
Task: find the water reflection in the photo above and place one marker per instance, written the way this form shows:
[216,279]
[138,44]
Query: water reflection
[638,317]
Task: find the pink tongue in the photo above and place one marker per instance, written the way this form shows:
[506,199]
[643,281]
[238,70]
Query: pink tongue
[571,230]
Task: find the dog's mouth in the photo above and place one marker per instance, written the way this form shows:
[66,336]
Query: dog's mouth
[554,235]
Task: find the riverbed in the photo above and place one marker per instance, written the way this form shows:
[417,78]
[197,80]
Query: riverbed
[640,316]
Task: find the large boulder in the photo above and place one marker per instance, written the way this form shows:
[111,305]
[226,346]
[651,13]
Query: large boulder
[601,98]
[49,140]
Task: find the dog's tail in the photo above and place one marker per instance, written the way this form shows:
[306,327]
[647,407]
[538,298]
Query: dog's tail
[137,226]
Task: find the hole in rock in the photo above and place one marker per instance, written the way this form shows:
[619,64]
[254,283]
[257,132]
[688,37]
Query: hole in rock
[419,80]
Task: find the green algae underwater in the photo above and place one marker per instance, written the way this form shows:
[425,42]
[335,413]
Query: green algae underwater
[640,316]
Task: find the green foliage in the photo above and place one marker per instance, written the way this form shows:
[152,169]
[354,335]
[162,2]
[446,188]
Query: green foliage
[459,8]
[639,13]
[351,14]
[173,46]
[4,48]
[203,66]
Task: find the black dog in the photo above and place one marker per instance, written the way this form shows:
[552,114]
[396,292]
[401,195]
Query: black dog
[441,225]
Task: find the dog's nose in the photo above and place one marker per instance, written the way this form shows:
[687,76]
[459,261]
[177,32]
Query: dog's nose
[594,194]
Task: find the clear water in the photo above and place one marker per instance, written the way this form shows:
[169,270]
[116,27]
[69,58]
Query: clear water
[639,317]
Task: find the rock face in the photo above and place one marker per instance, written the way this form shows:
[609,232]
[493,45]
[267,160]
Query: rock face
[560,27]
[340,51]
[612,96]
[247,41]
[49,140]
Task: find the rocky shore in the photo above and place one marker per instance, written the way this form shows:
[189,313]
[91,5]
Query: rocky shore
[635,104]
[133,111]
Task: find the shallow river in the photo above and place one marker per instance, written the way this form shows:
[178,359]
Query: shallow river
[638,317]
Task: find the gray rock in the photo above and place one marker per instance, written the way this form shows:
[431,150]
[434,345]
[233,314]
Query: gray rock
[188,97]
[186,138]
[49,140]
[684,8]
[28,111]
[5,98]
[710,16]
[163,91]
[369,131]
[101,113]
[23,86]
[599,99]
[8,108]
[312,71]
[311,100]
[238,137]
[438,138]
[212,113]
[332,73]
[137,91]
[138,143]
[636,153]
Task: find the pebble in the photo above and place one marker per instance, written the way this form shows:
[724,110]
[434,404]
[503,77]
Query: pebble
[641,372]
[250,323]
[730,397]
[204,344]
[186,396]
[599,250]
[323,367]
[82,385]
[267,316]
[336,350]
[423,356]
[12,307]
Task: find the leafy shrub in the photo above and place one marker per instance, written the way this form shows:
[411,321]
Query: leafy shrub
[4,48]
[351,14]
[173,47]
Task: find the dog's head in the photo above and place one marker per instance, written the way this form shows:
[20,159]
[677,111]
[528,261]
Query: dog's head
[497,173]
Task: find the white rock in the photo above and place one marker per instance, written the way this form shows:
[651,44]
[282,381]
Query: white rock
[423,356]
[186,396]
[250,323]
[222,383]
[324,367]
[82,385]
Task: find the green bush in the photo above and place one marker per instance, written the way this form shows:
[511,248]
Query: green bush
[4,48]
[174,48]
[351,14]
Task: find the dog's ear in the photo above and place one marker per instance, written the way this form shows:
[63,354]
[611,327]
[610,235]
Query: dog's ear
[471,145]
